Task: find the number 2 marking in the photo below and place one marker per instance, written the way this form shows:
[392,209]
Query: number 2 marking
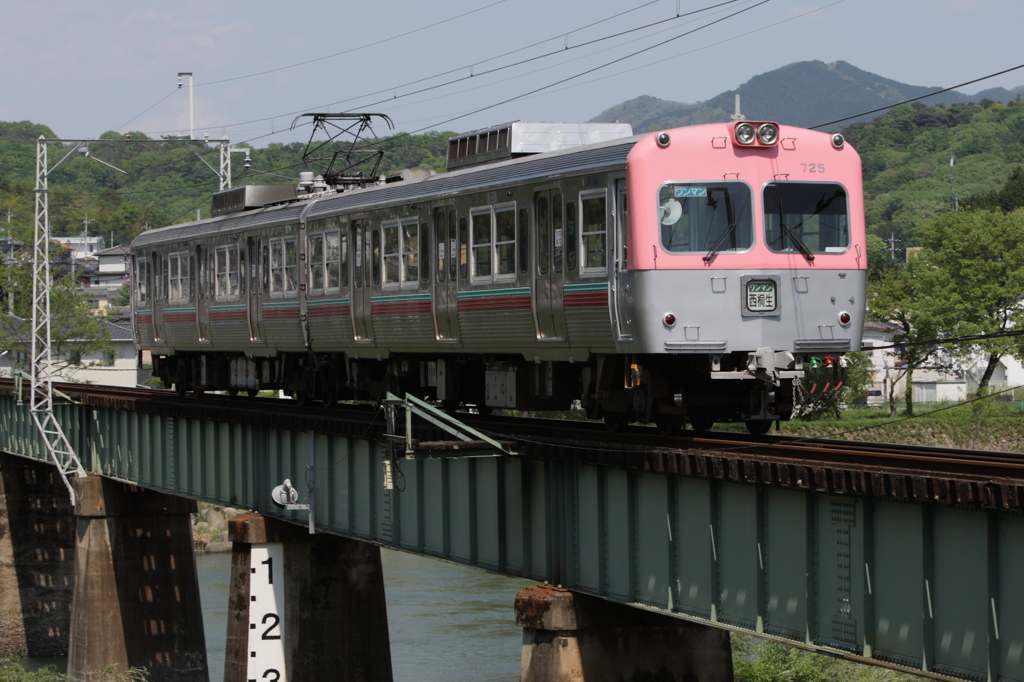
[813,167]
[275,678]
[277,621]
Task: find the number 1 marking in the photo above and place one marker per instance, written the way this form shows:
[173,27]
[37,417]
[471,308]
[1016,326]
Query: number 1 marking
[270,569]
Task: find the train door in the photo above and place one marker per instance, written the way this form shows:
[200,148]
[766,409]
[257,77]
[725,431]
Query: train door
[159,295]
[548,313]
[362,290]
[622,295]
[445,298]
[254,301]
[202,275]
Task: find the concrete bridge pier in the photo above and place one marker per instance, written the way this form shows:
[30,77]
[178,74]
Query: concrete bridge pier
[136,594]
[329,617]
[37,551]
[572,637]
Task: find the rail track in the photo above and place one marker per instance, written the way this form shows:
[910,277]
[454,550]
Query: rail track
[945,475]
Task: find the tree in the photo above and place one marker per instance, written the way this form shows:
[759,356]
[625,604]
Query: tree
[970,278]
[896,298]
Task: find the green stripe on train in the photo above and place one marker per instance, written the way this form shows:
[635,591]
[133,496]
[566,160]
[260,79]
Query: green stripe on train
[515,291]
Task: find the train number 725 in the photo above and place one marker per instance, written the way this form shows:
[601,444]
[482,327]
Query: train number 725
[813,167]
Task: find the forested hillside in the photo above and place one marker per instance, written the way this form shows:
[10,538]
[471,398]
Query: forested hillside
[801,94]
[906,156]
[164,182]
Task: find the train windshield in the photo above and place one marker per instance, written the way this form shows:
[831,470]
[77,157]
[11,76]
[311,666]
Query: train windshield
[806,217]
[706,218]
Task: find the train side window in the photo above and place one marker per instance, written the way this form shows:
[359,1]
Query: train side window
[570,235]
[543,236]
[392,254]
[505,241]
[212,291]
[266,268]
[375,254]
[357,240]
[594,233]
[284,266]
[332,260]
[316,263]
[141,281]
[524,241]
[424,257]
[410,252]
[192,278]
[440,236]
[559,234]
[463,247]
[241,271]
[178,277]
[481,243]
[227,285]
[453,264]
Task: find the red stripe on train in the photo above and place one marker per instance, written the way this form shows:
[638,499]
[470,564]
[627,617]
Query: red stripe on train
[407,308]
[228,316]
[144,319]
[179,317]
[586,300]
[330,311]
[497,303]
[281,314]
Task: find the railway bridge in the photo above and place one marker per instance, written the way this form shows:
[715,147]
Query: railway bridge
[652,550]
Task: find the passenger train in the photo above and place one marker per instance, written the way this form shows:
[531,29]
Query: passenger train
[686,275]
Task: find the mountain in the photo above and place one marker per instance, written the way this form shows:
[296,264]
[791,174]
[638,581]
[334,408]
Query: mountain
[803,94]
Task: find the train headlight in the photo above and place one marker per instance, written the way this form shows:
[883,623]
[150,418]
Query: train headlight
[664,140]
[669,320]
[838,141]
[768,134]
[745,133]
[844,318]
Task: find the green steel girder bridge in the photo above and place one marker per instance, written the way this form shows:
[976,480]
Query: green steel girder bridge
[914,564]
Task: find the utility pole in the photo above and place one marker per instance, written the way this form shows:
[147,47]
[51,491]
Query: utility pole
[191,118]
[893,241]
[952,185]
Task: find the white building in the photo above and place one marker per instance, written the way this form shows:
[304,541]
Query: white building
[82,247]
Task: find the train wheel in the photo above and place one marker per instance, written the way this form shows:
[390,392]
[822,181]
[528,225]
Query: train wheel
[252,392]
[181,381]
[615,421]
[232,392]
[668,424]
[700,421]
[305,397]
[758,427]
[330,394]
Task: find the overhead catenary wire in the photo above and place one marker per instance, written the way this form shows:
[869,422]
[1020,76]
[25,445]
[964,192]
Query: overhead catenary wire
[914,99]
[477,75]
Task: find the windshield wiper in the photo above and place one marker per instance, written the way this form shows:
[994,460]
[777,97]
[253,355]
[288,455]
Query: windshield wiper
[721,240]
[791,233]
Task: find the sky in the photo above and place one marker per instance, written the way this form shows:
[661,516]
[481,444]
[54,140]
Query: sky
[86,68]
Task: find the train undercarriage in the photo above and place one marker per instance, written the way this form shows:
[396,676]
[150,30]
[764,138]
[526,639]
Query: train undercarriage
[668,391]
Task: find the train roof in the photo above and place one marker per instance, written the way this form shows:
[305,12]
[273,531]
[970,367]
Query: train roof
[607,154]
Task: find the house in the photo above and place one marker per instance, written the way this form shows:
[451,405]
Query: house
[120,368]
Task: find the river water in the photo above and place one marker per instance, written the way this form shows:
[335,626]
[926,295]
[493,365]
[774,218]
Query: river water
[448,623]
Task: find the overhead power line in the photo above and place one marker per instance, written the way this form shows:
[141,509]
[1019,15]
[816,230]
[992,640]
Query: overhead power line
[914,99]
[464,67]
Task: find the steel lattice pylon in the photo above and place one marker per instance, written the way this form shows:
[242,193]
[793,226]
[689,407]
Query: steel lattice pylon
[41,405]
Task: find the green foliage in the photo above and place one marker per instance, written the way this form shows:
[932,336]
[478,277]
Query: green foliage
[11,671]
[764,661]
[821,404]
[164,182]
[906,156]
[970,275]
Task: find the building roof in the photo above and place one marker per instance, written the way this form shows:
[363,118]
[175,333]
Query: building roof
[120,332]
[122,250]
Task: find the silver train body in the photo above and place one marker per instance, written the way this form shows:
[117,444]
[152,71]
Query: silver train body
[527,284]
